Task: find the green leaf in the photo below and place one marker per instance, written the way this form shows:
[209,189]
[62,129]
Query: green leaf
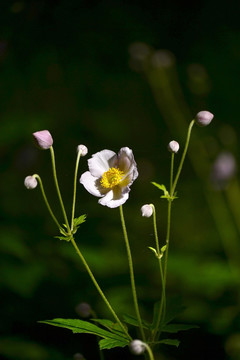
[174,328]
[78,221]
[161,187]
[131,320]
[153,250]
[111,326]
[83,327]
[112,343]
[173,342]
[173,309]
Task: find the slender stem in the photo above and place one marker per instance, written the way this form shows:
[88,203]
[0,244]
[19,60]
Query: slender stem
[46,200]
[75,188]
[134,292]
[58,189]
[98,288]
[163,298]
[149,350]
[183,157]
[171,172]
[155,230]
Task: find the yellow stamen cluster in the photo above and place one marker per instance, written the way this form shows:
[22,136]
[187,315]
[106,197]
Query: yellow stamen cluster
[111,178]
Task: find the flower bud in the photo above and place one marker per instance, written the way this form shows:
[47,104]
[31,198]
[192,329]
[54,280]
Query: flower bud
[203,118]
[43,139]
[223,170]
[84,310]
[78,356]
[173,146]
[147,210]
[30,182]
[137,347]
[83,149]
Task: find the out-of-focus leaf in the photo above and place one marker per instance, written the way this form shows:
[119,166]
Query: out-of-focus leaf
[174,328]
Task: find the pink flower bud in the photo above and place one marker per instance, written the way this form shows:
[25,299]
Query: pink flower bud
[43,139]
[30,182]
[137,347]
[203,118]
[83,149]
[83,309]
[173,146]
[78,356]
[147,210]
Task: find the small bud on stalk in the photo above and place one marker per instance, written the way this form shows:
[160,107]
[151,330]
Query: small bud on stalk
[83,309]
[147,210]
[173,146]
[43,139]
[203,118]
[83,149]
[30,182]
[78,356]
[137,347]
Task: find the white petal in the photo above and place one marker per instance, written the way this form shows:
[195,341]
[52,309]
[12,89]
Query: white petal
[101,162]
[128,165]
[115,198]
[90,183]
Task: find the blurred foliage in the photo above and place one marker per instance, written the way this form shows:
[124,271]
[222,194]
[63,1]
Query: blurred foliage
[91,73]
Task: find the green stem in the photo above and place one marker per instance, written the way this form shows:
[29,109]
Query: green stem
[149,350]
[171,172]
[46,200]
[58,189]
[75,188]
[183,157]
[134,292]
[99,289]
[163,298]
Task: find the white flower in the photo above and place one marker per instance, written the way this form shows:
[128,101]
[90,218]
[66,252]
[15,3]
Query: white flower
[110,176]
[147,210]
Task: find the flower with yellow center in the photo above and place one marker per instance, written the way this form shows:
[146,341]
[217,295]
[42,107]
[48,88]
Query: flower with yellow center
[110,176]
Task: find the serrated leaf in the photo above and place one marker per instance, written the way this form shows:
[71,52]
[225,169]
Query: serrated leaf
[174,328]
[111,326]
[161,187]
[173,342]
[112,343]
[131,320]
[83,327]
[173,309]
[61,237]
[78,221]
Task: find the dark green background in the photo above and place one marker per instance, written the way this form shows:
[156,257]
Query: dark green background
[65,67]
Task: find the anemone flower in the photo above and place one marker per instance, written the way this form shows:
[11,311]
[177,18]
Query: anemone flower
[110,176]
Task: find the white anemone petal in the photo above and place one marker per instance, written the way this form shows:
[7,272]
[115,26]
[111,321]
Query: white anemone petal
[101,162]
[128,165]
[90,183]
[115,197]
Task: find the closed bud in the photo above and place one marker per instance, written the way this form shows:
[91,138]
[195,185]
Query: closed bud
[223,170]
[173,146]
[43,139]
[137,347]
[84,310]
[78,356]
[147,210]
[83,149]
[30,182]
[203,118]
